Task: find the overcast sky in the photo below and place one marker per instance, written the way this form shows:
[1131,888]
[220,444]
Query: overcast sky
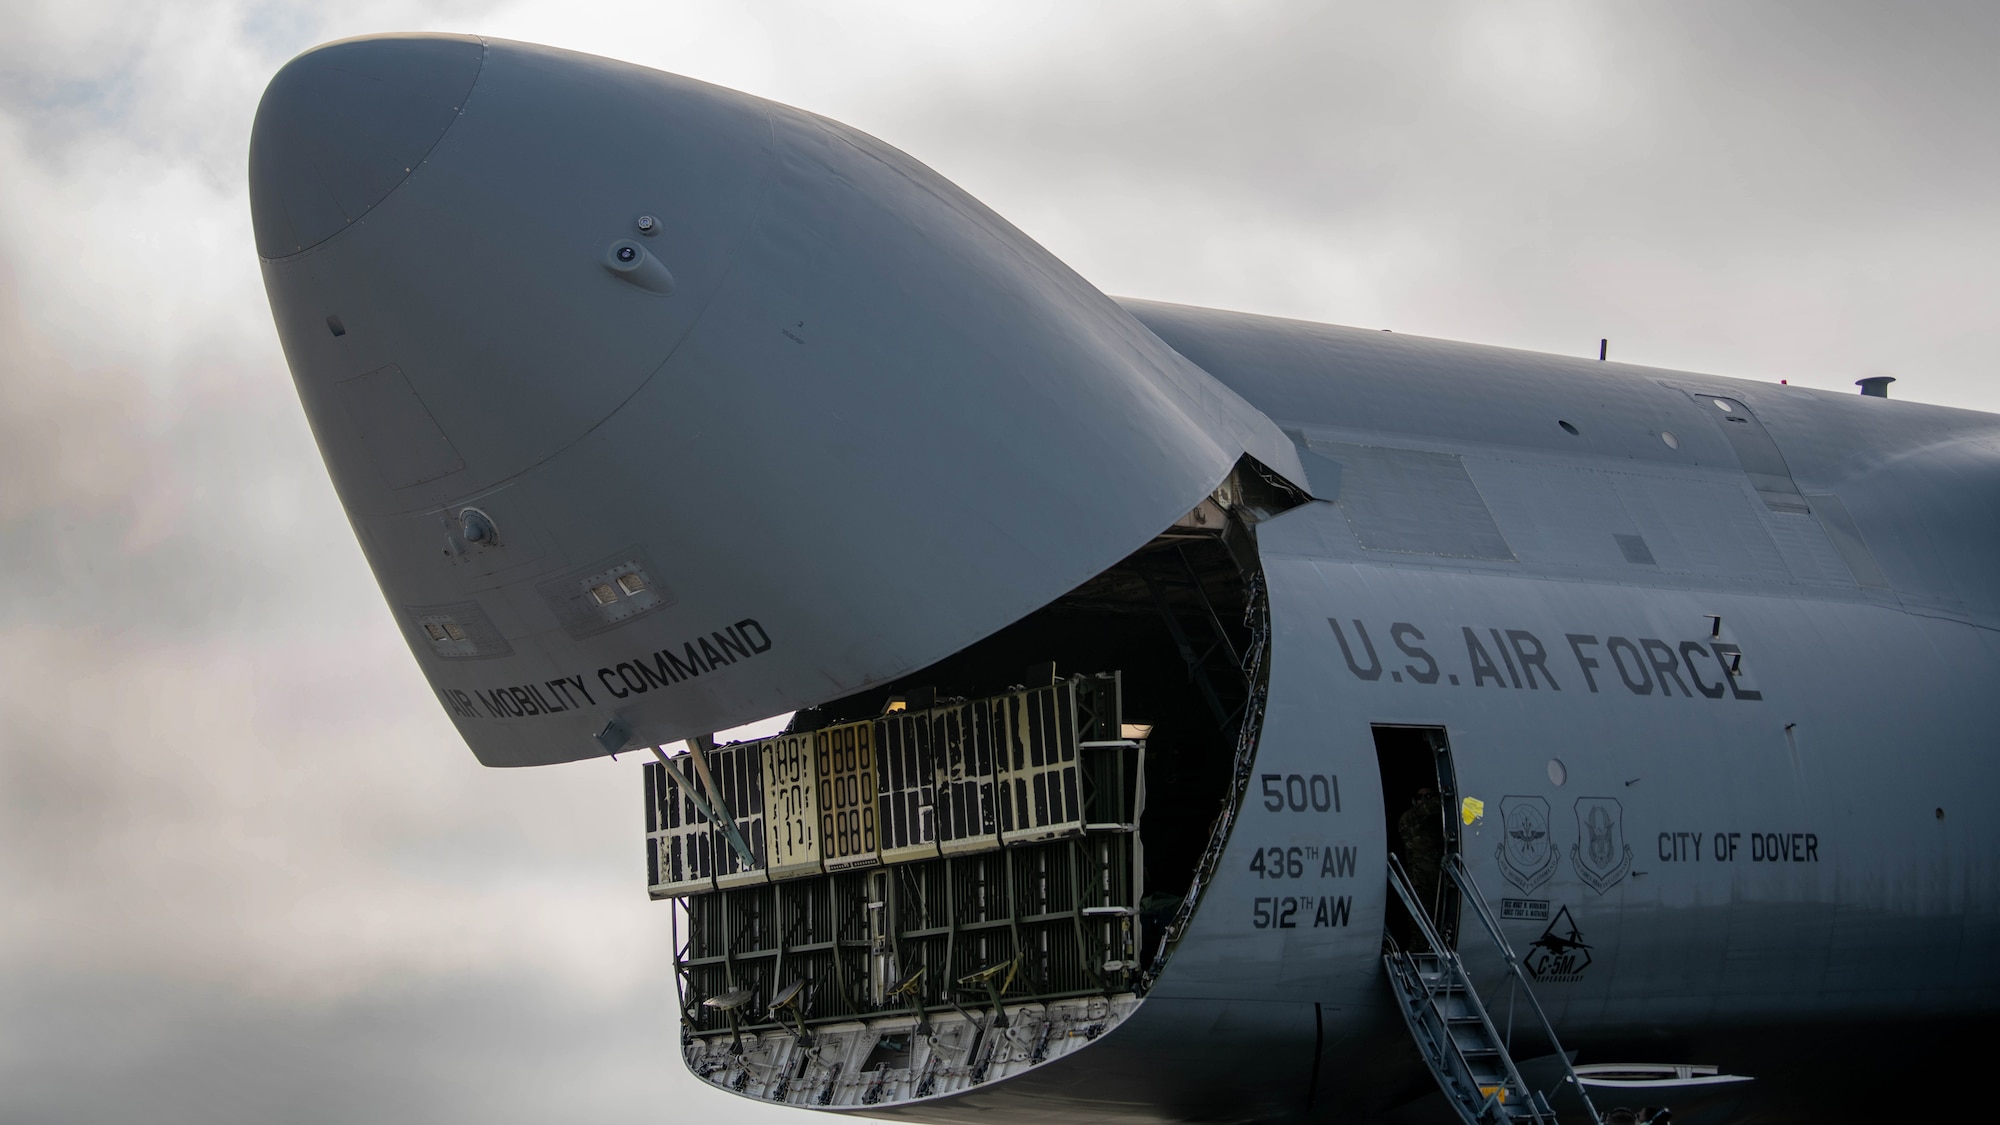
[248,873]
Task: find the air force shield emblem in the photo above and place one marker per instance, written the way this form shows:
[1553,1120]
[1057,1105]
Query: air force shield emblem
[1527,855]
[1601,855]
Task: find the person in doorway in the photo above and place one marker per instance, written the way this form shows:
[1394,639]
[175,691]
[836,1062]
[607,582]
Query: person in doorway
[1420,831]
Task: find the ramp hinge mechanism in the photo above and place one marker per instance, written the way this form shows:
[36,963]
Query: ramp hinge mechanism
[713,807]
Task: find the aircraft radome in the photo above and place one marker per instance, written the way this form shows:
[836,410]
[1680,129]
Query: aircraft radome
[1129,641]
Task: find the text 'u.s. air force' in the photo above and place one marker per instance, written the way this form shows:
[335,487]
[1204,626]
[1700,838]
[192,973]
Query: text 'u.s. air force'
[1519,660]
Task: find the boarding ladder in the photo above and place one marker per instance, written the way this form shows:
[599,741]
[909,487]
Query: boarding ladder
[1466,1054]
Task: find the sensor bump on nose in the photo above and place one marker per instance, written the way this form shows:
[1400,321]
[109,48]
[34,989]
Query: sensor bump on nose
[629,262]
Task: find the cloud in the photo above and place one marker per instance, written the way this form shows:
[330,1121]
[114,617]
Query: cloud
[251,871]
[450,1049]
[52,420]
[293,820]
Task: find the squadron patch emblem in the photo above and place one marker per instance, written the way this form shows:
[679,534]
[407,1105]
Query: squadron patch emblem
[1527,856]
[1600,854]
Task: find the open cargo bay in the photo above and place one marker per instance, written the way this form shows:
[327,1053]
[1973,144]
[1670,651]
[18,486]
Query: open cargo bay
[906,895]
[971,852]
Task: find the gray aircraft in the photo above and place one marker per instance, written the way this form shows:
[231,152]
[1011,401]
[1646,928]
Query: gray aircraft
[1200,716]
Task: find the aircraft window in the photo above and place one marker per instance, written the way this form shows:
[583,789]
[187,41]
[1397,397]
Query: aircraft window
[632,583]
[603,594]
[1668,437]
[1567,428]
[1558,773]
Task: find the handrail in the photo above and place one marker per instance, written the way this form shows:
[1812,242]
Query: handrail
[1455,867]
[1448,960]
[1399,881]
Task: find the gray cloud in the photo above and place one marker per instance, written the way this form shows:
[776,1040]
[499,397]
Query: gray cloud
[1779,192]
[456,1049]
[50,414]
[252,875]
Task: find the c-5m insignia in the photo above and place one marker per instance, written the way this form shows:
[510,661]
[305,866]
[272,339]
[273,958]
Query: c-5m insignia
[1601,855]
[1560,954]
[1527,856]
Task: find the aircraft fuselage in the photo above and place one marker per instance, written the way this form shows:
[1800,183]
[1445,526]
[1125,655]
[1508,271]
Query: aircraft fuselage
[658,409]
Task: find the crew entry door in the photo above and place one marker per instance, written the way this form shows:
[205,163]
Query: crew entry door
[1419,803]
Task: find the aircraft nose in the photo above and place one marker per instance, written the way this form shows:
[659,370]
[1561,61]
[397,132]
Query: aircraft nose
[849,409]
[343,125]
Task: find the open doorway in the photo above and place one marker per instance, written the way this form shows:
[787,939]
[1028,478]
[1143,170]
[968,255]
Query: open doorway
[1419,798]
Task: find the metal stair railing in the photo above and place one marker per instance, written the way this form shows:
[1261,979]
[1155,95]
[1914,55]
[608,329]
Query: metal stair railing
[1455,868]
[1451,974]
